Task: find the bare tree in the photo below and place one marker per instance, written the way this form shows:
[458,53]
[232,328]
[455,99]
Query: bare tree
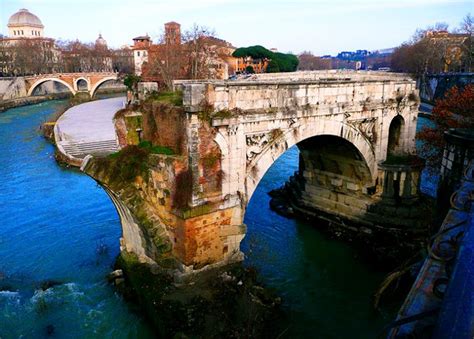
[432,50]
[309,62]
[122,61]
[198,48]
[200,55]
[467,27]
[167,62]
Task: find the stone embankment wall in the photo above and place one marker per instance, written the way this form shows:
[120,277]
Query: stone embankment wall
[13,93]
[440,300]
[458,153]
[434,86]
[12,88]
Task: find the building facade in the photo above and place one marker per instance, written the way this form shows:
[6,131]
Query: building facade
[200,57]
[24,24]
[26,50]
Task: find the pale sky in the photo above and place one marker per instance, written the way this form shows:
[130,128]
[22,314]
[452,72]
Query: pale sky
[321,26]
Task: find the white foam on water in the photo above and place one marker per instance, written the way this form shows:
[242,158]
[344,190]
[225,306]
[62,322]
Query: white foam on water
[9,294]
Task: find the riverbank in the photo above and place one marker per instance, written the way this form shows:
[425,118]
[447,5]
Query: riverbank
[226,302]
[13,103]
[87,129]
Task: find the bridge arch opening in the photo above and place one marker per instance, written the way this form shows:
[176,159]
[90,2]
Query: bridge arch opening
[39,82]
[100,83]
[326,164]
[82,85]
[395,136]
[49,87]
[265,157]
[293,255]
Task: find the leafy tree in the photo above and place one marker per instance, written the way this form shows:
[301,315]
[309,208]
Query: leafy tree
[249,69]
[281,62]
[455,110]
[273,67]
[256,52]
[286,62]
[131,81]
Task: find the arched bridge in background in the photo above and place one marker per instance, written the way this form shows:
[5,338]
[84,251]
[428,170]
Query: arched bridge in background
[75,82]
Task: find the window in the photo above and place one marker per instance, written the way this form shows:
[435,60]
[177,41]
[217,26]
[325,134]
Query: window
[138,53]
[32,32]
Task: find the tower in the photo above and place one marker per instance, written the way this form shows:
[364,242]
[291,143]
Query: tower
[172,33]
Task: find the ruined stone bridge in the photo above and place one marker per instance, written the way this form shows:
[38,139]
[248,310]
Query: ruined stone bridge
[355,132]
[75,82]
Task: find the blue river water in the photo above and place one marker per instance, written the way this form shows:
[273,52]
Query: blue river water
[58,226]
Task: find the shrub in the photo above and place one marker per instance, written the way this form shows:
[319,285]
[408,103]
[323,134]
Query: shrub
[149,147]
[174,98]
[131,81]
[249,69]
[129,163]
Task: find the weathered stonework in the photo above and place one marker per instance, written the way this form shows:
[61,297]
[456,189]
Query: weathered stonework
[228,133]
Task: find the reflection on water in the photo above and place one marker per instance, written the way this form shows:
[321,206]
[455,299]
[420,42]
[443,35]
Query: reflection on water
[326,288]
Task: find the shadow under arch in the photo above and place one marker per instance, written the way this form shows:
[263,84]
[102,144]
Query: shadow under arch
[41,81]
[82,84]
[396,136]
[274,149]
[94,88]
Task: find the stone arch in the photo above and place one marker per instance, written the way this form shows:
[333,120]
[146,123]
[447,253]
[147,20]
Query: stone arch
[257,168]
[82,80]
[100,82]
[40,81]
[396,132]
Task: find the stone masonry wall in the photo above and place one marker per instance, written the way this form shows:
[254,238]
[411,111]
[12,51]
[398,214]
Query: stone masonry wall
[254,121]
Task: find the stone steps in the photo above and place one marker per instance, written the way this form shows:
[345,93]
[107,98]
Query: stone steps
[80,150]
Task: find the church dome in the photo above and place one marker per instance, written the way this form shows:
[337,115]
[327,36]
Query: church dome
[24,18]
[101,41]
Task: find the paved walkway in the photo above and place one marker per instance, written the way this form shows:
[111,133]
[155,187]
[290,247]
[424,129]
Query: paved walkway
[88,129]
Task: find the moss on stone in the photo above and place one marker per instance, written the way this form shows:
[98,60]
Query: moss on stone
[133,124]
[174,98]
